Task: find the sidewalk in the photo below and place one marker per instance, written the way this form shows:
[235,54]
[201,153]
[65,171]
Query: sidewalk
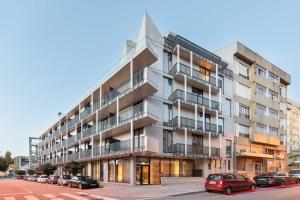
[125,191]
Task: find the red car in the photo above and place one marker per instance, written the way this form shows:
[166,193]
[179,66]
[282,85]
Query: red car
[227,183]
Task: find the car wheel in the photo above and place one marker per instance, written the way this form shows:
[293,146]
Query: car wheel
[228,191]
[252,188]
[298,181]
[282,183]
[80,186]
[209,191]
[70,185]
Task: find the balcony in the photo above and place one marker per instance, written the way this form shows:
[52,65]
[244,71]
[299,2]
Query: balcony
[142,88]
[73,156]
[60,160]
[86,154]
[55,133]
[198,78]
[192,99]
[266,139]
[137,115]
[64,143]
[189,124]
[78,136]
[71,140]
[63,128]
[88,132]
[86,112]
[123,147]
[72,122]
[199,151]
[96,105]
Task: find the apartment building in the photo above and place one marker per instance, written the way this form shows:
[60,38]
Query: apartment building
[21,162]
[293,132]
[165,113]
[260,105]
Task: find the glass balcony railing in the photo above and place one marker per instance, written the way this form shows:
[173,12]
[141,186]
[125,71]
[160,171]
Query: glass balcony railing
[196,74]
[96,105]
[194,150]
[86,154]
[73,156]
[138,77]
[193,98]
[88,132]
[120,146]
[190,124]
[71,140]
[72,122]
[78,136]
[86,112]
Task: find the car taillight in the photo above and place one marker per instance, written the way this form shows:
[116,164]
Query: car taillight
[271,179]
[220,182]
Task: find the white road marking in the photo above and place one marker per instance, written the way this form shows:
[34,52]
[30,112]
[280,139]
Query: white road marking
[95,196]
[9,198]
[31,197]
[74,196]
[52,197]
[12,194]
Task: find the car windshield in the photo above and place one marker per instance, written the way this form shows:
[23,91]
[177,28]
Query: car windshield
[268,174]
[295,171]
[215,177]
[66,177]
[44,176]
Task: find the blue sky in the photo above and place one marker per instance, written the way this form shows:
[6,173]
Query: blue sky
[52,52]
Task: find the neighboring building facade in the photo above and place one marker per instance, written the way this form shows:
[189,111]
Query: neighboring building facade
[21,162]
[33,152]
[165,112]
[293,131]
[260,119]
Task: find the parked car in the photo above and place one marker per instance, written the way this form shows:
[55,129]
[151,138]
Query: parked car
[83,182]
[275,178]
[42,179]
[63,180]
[295,172]
[227,183]
[20,177]
[53,179]
[33,178]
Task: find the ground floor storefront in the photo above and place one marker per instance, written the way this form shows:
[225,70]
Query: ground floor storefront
[143,170]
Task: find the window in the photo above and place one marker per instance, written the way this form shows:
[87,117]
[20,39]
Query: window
[260,90]
[138,136]
[273,95]
[227,107]
[261,128]
[273,131]
[168,115]
[273,113]
[272,77]
[243,71]
[260,70]
[282,91]
[167,62]
[228,165]
[167,87]
[260,109]
[228,149]
[282,107]
[167,141]
[221,125]
[244,111]
[244,131]
[243,91]
[221,83]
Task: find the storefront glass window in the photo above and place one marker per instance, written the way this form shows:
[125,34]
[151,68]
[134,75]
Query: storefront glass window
[111,171]
[187,168]
[174,168]
[122,171]
[154,171]
[165,167]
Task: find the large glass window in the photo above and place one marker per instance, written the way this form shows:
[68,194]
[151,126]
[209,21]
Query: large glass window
[167,61]
[260,90]
[228,149]
[260,71]
[260,109]
[221,83]
[227,107]
[273,95]
[111,171]
[244,131]
[243,71]
[273,131]
[168,115]
[138,138]
[221,125]
[167,141]
[165,167]
[273,77]
[122,171]
[167,87]
[154,171]
[261,128]
[187,168]
[273,113]
[96,170]
[174,168]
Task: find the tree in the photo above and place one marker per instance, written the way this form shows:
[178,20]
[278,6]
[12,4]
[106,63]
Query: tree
[20,172]
[73,167]
[8,158]
[3,164]
[30,171]
[46,169]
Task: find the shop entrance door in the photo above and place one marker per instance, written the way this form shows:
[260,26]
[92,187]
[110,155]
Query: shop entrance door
[142,174]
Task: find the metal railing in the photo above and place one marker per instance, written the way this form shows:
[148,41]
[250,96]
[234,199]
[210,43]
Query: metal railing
[194,149]
[71,139]
[86,112]
[88,132]
[193,98]
[73,156]
[138,143]
[196,74]
[96,105]
[72,122]
[86,154]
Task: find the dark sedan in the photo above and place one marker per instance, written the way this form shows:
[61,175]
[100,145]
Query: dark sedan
[275,178]
[82,182]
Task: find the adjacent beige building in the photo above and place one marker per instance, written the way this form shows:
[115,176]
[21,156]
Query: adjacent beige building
[260,111]
[293,132]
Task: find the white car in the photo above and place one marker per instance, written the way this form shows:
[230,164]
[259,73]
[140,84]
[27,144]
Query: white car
[295,172]
[42,179]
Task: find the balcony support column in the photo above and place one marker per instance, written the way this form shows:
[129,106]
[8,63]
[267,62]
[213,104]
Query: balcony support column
[220,145]
[178,56]
[185,87]
[81,130]
[100,150]
[100,97]
[79,150]
[217,75]
[220,99]
[185,141]
[179,110]
[209,144]
[209,95]
[217,122]
[117,110]
[131,135]
[203,118]
[92,103]
[131,73]
[191,63]
[196,116]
